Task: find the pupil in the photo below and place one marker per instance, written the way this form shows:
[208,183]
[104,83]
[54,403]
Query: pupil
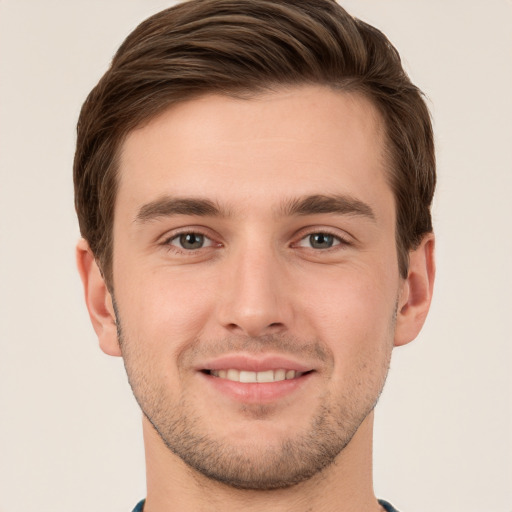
[321,241]
[191,241]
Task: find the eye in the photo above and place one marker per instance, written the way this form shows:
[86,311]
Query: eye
[320,241]
[190,241]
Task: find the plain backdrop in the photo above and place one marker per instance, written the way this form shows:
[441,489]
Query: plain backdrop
[70,436]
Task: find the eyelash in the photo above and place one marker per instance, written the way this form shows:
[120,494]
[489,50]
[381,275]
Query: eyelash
[170,247]
[340,241]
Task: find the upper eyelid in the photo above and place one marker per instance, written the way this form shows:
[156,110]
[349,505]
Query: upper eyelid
[178,235]
[174,233]
[341,241]
[337,233]
[167,244]
[299,235]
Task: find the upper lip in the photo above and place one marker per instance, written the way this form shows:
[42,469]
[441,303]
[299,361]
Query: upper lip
[253,363]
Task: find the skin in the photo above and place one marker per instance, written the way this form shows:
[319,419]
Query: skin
[268,281]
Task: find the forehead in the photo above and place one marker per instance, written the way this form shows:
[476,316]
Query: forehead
[295,141]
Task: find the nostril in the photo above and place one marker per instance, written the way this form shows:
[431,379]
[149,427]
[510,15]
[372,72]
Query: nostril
[276,325]
[254,327]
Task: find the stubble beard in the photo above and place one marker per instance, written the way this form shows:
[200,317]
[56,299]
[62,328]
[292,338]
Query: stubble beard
[254,466]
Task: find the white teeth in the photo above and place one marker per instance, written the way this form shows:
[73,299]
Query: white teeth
[280,375]
[267,376]
[233,375]
[249,377]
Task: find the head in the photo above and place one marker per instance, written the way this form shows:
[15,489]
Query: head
[253,183]
[241,49]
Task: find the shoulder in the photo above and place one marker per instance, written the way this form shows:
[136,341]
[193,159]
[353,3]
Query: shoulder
[387,506]
[139,507]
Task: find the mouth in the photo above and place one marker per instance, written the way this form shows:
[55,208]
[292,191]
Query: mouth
[251,377]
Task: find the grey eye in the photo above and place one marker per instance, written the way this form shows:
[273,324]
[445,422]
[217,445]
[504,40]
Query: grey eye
[321,240]
[191,241]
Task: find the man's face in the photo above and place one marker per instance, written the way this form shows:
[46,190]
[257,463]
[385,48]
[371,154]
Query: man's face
[256,279]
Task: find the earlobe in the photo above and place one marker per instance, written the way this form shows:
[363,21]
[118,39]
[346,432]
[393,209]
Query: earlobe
[416,293]
[98,300]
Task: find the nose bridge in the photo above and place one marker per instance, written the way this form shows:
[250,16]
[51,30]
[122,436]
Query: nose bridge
[253,301]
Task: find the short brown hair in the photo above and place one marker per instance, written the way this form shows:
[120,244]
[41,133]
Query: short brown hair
[235,47]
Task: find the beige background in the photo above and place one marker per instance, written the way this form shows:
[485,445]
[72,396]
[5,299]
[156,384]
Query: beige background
[69,427]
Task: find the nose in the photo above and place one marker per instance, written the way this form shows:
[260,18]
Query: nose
[253,296]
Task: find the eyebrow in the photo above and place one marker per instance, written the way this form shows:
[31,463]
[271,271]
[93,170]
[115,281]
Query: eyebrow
[169,206]
[338,204]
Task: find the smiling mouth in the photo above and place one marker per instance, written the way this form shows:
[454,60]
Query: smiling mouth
[266,376]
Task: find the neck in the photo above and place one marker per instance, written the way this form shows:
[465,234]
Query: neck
[344,486]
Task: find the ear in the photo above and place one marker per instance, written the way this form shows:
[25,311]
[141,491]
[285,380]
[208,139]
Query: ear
[98,300]
[416,293]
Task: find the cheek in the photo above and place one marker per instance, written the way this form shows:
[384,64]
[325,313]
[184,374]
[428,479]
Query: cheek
[161,318]
[356,322]
[164,309]
[353,311]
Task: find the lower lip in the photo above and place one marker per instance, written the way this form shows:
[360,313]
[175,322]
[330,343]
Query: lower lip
[256,393]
